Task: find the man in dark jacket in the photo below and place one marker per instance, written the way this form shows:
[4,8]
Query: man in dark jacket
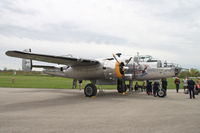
[164,85]
[177,82]
[156,86]
[149,87]
[191,86]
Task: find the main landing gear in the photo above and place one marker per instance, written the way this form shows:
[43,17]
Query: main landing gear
[121,86]
[90,90]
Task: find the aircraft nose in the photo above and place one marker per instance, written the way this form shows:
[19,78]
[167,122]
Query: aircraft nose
[177,70]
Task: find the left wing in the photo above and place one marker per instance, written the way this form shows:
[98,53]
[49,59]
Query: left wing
[69,61]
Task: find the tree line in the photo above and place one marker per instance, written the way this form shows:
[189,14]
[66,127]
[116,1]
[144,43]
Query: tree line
[189,73]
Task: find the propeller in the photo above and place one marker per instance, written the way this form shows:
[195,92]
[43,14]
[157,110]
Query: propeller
[122,66]
[125,69]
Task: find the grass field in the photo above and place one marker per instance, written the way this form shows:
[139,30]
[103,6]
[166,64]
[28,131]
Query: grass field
[36,80]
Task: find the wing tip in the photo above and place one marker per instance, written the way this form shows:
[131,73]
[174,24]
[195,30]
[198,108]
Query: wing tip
[8,53]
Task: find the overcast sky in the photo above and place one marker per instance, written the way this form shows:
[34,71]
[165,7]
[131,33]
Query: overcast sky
[166,29]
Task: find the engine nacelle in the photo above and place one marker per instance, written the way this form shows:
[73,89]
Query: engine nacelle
[114,70]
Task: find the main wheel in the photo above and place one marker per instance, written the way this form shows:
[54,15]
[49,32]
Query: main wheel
[161,93]
[90,90]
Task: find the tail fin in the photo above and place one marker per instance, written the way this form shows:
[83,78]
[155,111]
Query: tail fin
[26,63]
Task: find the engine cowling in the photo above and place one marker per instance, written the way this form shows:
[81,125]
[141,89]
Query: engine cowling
[119,72]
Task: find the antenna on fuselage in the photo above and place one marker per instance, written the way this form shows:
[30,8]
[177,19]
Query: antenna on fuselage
[138,58]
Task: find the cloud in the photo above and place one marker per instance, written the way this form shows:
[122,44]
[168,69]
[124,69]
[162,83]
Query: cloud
[82,49]
[64,33]
[11,7]
[166,29]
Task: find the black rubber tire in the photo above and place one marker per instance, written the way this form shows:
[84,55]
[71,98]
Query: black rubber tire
[90,90]
[161,93]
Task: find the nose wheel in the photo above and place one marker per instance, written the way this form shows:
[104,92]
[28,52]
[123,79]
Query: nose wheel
[161,93]
[90,90]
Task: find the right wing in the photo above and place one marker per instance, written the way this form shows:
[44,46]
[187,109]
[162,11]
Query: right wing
[69,61]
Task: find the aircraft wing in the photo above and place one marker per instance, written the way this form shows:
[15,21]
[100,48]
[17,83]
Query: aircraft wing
[69,61]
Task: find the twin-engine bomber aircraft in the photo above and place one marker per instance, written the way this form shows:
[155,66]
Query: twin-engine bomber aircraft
[107,71]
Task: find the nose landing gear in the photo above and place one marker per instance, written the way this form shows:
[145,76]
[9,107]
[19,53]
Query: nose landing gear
[161,93]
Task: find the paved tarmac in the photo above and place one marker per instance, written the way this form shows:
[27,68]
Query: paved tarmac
[69,111]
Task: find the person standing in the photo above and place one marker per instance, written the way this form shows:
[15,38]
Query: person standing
[74,84]
[185,84]
[191,86]
[80,84]
[177,83]
[164,85]
[149,87]
[136,86]
[156,86]
[198,85]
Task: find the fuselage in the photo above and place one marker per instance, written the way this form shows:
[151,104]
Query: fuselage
[110,70]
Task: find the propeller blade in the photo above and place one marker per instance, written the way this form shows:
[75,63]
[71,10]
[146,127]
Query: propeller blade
[128,61]
[115,58]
